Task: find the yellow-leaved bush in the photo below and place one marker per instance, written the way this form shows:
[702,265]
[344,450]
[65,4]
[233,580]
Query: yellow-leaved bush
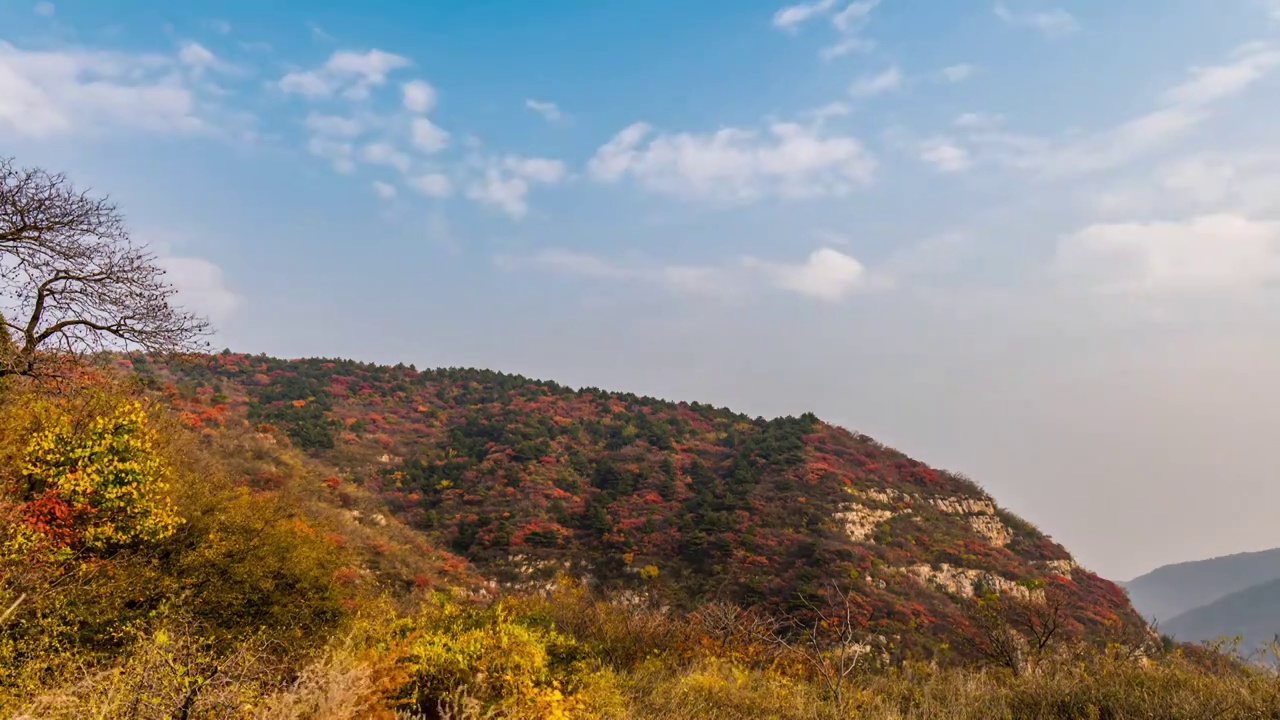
[90,478]
[495,660]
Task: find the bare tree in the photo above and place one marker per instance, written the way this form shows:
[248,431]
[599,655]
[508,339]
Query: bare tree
[72,282]
[1017,632]
[991,636]
[829,638]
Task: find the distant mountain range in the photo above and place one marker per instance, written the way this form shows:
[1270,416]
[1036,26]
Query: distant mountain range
[1206,599]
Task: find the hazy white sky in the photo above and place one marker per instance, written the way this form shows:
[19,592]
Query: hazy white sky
[1036,244]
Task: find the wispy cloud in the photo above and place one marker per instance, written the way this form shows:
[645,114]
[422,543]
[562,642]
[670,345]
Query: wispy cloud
[826,275]
[945,155]
[1182,109]
[848,21]
[791,17]
[548,110]
[1054,23]
[787,160]
[351,74]
[433,185]
[870,85]
[958,73]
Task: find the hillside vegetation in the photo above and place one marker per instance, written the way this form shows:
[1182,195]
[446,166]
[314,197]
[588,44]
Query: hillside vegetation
[684,502]
[168,551]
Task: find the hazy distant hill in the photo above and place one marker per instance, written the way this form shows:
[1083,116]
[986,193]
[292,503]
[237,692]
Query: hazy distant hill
[1171,590]
[1253,613]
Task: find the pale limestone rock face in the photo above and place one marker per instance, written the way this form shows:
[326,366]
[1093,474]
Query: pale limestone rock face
[1061,567]
[963,506]
[990,528]
[861,521]
[962,581]
[887,496]
[862,518]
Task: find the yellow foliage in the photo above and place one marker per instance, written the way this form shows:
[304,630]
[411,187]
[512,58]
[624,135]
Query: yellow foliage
[488,656]
[82,470]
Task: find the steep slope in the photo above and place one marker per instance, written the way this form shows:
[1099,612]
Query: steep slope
[1252,613]
[1172,590]
[528,479]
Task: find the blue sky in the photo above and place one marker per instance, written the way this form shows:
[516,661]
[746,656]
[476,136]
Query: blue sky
[1034,242]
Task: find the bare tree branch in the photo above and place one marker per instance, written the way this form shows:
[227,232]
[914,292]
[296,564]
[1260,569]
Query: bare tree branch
[74,282]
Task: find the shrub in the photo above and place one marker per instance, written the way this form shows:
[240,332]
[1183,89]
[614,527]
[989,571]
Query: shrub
[89,479]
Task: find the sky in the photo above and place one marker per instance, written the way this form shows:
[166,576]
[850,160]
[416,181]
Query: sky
[1031,242]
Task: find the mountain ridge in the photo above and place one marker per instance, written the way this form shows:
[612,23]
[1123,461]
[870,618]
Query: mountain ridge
[1251,614]
[1175,589]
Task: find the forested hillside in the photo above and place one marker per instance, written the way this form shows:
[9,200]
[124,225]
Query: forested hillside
[528,479]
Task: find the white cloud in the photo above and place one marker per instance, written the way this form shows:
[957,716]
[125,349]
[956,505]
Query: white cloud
[827,275]
[957,73]
[44,9]
[506,182]
[848,22]
[335,125]
[847,46]
[384,153]
[1051,23]
[1249,64]
[616,157]
[830,110]
[541,170]
[854,15]
[735,165]
[945,155]
[353,74]
[1219,252]
[1185,107]
[341,155]
[200,287]
[196,55]
[309,84]
[433,185]
[547,110]
[427,136]
[1245,183]
[791,17]
[870,85]
[569,262]
[222,27]
[504,192]
[385,190]
[418,96]
[978,121]
[50,93]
